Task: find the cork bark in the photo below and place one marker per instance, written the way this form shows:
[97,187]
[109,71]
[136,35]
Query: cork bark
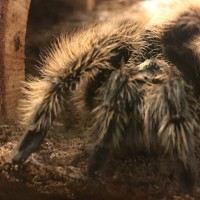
[13,20]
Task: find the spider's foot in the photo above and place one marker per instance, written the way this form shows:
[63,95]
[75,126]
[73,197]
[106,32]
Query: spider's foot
[30,143]
[97,159]
[186,175]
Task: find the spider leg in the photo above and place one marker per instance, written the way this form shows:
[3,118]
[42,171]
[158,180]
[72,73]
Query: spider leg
[111,118]
[63,71]
[51,94]
[171,112]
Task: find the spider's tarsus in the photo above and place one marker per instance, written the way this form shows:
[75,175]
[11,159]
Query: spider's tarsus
[98,159]
[186,175]
[30,143]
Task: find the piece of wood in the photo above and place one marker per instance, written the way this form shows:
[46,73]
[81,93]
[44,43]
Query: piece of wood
[13,20]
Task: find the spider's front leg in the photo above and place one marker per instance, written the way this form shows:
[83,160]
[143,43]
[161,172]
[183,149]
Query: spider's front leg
[111,117]
[171,114]
[44,99]
[87,56]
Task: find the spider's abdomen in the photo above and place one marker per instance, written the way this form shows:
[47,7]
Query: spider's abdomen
[176,36]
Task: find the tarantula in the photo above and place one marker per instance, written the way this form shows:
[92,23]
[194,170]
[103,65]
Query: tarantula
[138,80]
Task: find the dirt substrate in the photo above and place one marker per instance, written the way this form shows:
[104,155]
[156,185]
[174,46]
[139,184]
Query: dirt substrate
[58,171]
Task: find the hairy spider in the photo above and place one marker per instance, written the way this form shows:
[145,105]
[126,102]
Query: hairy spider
[138,80]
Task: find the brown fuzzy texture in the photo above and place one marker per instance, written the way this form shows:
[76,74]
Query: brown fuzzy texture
[73,53]
[132,78]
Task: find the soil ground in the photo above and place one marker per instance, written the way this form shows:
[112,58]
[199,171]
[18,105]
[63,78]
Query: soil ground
[59,169]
